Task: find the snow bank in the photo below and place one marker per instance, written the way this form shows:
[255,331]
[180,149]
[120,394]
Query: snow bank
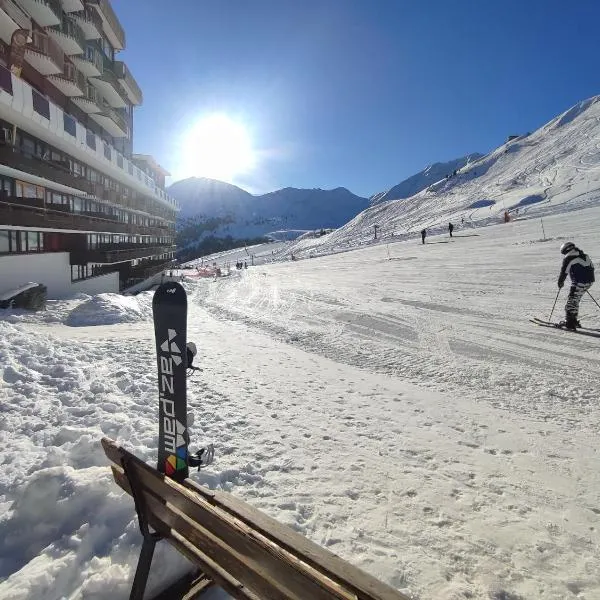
[110,309]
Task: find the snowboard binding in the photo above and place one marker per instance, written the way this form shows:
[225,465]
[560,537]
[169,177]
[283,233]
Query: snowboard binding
[191,351]
[202,458]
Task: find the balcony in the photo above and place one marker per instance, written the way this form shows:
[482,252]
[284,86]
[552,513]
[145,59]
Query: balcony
[72,5]
[45,169]
[90,101]
[69,36]
[44,12]
[112,254]
[11,19]
[31,212]
[110,23]
[90,22]
[44,54]
[128,83]
[111,121]
[70,82]
[110,88]
[91,64]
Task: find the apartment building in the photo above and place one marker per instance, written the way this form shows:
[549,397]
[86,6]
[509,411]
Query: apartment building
[79,212]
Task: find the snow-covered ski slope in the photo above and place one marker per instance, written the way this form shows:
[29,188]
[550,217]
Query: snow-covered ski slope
[554,169]
[397,408]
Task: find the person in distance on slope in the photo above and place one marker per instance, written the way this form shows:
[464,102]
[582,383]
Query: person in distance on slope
[450,228]
[580,268]
[423,234]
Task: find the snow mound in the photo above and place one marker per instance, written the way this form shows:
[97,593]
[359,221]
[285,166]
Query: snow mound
[111,309]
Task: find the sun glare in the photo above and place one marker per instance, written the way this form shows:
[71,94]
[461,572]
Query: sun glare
[218,147]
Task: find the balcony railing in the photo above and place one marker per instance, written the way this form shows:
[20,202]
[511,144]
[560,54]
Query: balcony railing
[128,82]
[44,12]
[15,12]
[70,82]
[69,36]
[42,44]
[115,117]
[31,212]
[82,257]
[109,86]
[12,157]
[114,31]
[90,63]
[90,22]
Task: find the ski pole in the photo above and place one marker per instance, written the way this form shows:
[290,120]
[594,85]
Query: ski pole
[554,305]
[594,299]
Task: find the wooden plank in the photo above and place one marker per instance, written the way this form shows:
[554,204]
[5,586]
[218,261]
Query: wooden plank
[219,575]
[363,585]
[263,569]
[188,587]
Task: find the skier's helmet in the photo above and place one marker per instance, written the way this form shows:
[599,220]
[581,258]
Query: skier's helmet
[192,348]
[567,247]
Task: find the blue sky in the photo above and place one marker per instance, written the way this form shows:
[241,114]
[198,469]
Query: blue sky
[355,93]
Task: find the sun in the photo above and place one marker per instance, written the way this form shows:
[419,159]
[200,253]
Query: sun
[219,148]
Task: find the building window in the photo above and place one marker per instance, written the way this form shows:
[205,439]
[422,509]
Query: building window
[69,124]
[4,242]
[119,161]
[28,190]
[33,241]
[40,104]
[27,145]
[107,151]
[5,188]
[90,138]
[5,80]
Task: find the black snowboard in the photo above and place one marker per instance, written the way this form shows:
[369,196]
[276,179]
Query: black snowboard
[169,309]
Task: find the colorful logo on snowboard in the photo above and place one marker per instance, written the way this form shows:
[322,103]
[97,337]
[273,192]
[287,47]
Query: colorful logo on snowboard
[173,439]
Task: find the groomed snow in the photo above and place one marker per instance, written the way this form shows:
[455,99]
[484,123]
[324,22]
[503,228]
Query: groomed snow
[393,404]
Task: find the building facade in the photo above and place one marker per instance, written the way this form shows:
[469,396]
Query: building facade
[78,210]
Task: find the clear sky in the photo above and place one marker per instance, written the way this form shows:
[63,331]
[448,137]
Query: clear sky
[353,93]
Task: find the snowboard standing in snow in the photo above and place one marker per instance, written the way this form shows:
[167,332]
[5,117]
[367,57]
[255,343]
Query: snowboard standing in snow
[169,310]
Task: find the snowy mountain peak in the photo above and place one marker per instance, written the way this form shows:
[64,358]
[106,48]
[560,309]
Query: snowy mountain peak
[419,181]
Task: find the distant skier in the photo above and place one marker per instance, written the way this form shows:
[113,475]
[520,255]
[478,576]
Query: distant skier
[423,234]
[450,228]
[580,268]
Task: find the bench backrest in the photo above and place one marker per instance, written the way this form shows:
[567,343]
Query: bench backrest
[243,550]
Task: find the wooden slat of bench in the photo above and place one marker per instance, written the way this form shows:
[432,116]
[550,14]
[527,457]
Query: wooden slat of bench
[263,567]
[188,587]
[363,585]
[219,575]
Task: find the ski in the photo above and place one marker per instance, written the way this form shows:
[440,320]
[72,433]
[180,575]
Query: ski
[545,323]
[169,311]
[580,330]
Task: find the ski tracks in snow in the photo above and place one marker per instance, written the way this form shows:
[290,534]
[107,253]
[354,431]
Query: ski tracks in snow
[495,457]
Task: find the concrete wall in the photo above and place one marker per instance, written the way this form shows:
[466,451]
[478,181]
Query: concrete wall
[97,285]
[54,271]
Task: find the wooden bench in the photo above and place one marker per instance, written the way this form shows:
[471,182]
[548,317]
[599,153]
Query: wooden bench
[235,546]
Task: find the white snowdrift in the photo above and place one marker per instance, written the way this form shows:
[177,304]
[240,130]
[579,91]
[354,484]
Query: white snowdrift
[111,309]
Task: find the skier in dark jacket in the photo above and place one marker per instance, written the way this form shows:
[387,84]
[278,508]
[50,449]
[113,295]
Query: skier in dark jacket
[423,234]
[580,268]
[450,228]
